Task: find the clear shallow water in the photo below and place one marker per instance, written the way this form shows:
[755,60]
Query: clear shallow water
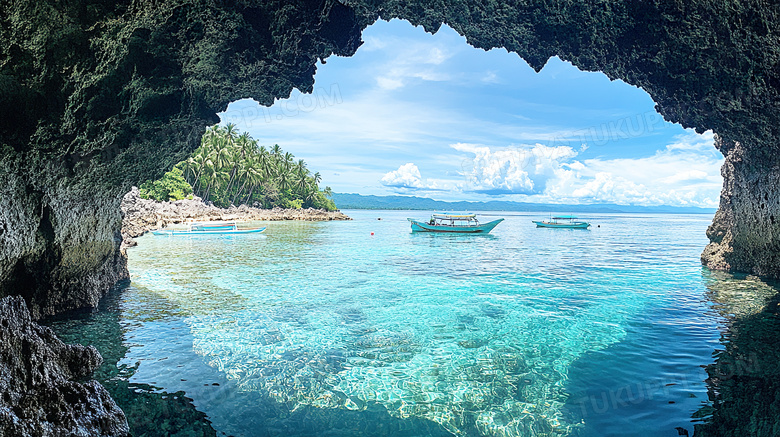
[318,328]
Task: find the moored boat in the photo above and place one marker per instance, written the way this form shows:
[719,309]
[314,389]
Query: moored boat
[562,221]
[455,223]
[209,228]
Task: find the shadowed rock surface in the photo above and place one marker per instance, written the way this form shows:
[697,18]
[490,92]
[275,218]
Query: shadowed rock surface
[40,396]
[97,96]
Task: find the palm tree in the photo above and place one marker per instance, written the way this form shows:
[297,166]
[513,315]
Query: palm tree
[229,167]
[230,133]
[199,164]
[217,176]
[264,161]
[283,180]
[276,150]
[289,158]
[253,179]
[243,148]
[303,177]
[246,172]
[223,154]
[209,172]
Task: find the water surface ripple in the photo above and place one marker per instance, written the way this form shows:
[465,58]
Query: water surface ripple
[523,332]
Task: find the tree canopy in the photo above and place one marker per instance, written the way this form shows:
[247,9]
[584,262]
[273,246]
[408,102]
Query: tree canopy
[230,168]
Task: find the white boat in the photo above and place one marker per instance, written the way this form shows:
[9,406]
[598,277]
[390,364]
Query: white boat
[562,221]
[209,228]
[454,222]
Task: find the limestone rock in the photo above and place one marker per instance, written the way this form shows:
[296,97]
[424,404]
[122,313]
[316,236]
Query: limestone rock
[745,233]
[38,382]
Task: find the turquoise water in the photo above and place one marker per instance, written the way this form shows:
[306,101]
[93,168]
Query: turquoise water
[325,329]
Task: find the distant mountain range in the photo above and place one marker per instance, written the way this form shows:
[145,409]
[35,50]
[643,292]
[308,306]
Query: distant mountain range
[359,201]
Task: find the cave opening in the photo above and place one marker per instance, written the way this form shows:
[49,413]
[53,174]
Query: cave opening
[417,114]
[429,116]
[99,98]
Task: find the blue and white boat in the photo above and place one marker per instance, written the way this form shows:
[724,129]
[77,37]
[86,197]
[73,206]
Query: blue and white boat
[454,222]
[562,221]
[209,228]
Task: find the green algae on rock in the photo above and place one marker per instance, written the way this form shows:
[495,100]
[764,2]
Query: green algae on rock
[97,97]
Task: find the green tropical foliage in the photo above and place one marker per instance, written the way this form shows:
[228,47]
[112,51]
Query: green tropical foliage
[230,168]
[171,186]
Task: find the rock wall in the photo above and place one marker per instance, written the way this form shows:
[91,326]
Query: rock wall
[745,233]
[97,96]
[40,396]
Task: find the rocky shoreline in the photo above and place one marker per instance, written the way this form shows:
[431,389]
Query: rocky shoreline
[38,382]
[143,215]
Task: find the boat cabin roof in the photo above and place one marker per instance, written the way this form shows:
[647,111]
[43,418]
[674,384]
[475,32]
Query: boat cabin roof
[454,215]
[565,217]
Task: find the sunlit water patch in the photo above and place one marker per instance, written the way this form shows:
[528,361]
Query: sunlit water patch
[476,334]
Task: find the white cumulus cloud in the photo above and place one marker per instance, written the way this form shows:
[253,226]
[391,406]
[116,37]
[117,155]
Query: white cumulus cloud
[522,170]
[684,173]
[407,176]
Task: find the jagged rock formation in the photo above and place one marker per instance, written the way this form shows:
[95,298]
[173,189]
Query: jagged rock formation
[40,396]
[143,215]
[745,233]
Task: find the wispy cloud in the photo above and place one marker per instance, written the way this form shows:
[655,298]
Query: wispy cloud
[410,60]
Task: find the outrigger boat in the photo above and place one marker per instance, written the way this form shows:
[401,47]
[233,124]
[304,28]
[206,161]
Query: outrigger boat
[563,221]
[209,228]
[454,222]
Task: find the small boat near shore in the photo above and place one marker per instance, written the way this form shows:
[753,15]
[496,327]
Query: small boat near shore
[562,221]
[209,228]
[454,223]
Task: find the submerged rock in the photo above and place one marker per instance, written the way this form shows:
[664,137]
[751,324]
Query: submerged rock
[38,382]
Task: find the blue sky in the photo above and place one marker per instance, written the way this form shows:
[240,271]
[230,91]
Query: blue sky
[429,115]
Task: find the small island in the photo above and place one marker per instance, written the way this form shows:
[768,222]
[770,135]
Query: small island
[229,177]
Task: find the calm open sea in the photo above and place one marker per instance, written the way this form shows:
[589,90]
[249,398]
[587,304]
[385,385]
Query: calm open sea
[321,328]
